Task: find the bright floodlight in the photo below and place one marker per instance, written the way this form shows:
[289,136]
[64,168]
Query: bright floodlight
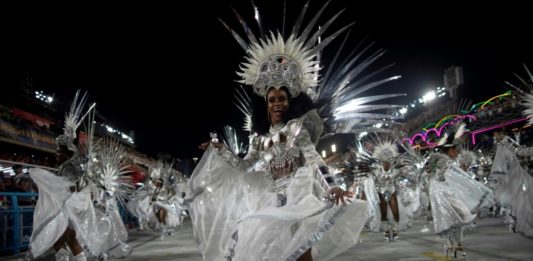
[333,148]
[403,110]
[323,154]
[429,96]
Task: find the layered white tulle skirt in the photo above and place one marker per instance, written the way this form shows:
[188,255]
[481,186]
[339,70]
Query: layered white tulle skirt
[50,219]
[456,201]
[98,232]
[139,205]
[237,216]
[174,210]
[521,204]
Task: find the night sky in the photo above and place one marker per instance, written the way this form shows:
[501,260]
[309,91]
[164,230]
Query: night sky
[128,56]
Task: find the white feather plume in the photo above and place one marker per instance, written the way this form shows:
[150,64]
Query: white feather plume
[527,101]
[244,104]
[443,140]
[72,118]
[459,132]
[247,126]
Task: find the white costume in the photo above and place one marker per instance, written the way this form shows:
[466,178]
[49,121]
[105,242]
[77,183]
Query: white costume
[69,199]
[270,205]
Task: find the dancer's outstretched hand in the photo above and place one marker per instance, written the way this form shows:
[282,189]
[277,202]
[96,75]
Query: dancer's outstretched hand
[338,195]
[206,144]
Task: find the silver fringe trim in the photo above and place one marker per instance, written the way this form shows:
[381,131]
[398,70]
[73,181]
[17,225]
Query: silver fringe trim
[317,235]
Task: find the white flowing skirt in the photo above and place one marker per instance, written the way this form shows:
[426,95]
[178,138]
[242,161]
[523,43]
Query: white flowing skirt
[236,216]
[456,201]
[522,201]
[97,231]
[57,208]
[139,205]
[174,211]
[50,220]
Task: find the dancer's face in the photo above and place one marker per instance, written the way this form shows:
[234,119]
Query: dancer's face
[62,155]
[386,165]
[277,105]
[499,135]
[452,152]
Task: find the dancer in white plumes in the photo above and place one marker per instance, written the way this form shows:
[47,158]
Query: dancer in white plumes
[455,196]
[78,207]
[386,174]
[165,194]
[514,190]
[52,222]
[270,204]
[275,212]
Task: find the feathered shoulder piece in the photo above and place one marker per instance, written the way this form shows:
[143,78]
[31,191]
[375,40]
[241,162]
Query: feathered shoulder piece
[412,158]
[357,164]
[109,171]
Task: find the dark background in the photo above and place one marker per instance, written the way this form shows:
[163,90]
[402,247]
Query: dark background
[167,71]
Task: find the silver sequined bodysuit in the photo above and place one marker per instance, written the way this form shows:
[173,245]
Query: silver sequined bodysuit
[279,153]
[386,181]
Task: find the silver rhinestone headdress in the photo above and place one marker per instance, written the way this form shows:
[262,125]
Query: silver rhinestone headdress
[278,71]
[278,63]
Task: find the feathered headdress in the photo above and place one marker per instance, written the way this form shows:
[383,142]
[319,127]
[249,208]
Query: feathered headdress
[165,173]
[453,136]
[73,120]
[466,157]
[273,60]
[385,151]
